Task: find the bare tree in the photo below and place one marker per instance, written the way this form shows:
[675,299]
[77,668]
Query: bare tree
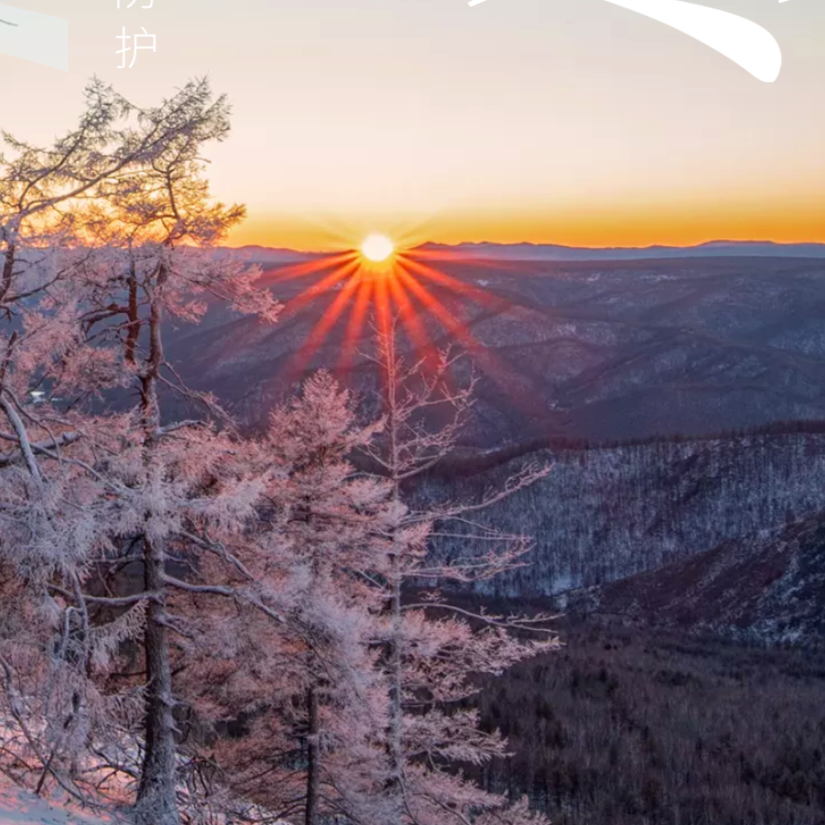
[433,649]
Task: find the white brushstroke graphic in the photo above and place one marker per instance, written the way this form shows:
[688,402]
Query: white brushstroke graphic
[741,40]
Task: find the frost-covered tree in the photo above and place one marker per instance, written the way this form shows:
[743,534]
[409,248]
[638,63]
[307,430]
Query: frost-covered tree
[104,235]
[154,233]
[432,650]
[56,503]
[316,548]
[332,518]
[164,579]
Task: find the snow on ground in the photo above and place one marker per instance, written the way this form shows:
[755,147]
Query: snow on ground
[19,807]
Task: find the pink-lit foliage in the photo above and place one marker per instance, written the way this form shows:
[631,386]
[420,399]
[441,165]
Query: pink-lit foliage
[103,235]
[301,674]
[194,621]
[432,650]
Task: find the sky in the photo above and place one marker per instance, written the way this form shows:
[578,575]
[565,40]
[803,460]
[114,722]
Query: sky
[555,121]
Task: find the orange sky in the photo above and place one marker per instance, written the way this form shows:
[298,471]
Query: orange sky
[675,224]
[559,121]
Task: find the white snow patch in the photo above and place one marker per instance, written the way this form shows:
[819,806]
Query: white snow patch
[19,807]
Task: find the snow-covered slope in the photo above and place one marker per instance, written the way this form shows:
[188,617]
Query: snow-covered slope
[19,807]
[768,587]
[603,515]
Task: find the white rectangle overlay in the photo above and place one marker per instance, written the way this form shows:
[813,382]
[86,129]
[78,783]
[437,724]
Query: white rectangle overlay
[29,35]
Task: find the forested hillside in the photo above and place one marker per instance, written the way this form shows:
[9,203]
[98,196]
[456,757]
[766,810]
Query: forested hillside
[766,588]
[603,514]
[602,350]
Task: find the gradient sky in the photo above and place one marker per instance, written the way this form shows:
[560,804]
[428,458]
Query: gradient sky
[565,121]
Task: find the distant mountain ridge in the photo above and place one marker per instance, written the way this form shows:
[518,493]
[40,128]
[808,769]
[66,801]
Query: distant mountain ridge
[269,255]
[557,252]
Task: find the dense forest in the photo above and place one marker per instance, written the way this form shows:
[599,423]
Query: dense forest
[626,726]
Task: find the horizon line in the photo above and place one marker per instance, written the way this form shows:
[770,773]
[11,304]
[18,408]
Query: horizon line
[537,244]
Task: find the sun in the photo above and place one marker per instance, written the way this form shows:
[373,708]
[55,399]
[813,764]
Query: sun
[377,248]
[385,281]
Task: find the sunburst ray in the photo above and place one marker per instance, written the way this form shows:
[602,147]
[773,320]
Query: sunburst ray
[403,295]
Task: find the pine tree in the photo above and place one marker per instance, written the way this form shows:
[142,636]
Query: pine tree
[313,553]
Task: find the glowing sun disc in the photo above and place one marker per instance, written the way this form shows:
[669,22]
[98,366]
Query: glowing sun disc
[377,248]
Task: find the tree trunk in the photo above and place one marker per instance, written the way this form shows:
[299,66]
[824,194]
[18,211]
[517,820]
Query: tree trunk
[314,758]
[8,270]
[396,753]
[133,326]
[396,664]
[156,803]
